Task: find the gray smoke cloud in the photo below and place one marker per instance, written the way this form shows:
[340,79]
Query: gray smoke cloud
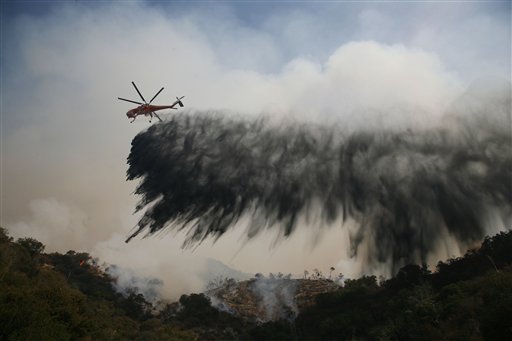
[265,298]
[127,282]
[277,295]
[202,171]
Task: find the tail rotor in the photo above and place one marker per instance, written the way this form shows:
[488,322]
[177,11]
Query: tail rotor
[179,101]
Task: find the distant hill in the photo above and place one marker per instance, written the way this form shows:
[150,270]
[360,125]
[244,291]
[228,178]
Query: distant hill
[214,270]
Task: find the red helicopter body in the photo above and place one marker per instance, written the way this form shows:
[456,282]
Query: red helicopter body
[146,108]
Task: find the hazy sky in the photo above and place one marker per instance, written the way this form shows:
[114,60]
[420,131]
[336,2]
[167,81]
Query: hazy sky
[65,136]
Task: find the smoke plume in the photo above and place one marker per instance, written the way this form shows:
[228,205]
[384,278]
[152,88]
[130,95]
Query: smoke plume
[127,282]
[203,171]
[277,296]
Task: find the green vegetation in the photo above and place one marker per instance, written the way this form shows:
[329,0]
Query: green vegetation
[56,297]
[467,298]
[68,297]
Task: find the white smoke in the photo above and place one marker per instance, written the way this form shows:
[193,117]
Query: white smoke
[127,282]
[277,296]
[54,223]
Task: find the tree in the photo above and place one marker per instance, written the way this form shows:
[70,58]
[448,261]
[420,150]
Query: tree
[330,273]
[497,249]
[317,274]
[4,236]
[33,246]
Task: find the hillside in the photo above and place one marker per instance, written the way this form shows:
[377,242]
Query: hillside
[68,296]
[263,299]
[63,297]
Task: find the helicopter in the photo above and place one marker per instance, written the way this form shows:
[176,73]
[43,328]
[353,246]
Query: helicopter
[146,108]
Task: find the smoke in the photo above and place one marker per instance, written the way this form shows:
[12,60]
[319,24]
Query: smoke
[128,282]
[203,171]
[277,296]
[50,217]
[264,298]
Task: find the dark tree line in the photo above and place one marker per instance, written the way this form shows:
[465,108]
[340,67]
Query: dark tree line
[67,296]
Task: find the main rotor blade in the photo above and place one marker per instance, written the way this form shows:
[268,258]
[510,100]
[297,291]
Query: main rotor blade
[128,100]
[135,86]
[156,95]
[157,115]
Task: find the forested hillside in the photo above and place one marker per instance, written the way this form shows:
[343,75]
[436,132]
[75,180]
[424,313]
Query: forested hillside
[63,297]
[68,296]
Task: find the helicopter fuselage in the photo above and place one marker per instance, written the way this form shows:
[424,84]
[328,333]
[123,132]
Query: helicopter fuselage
[146,109]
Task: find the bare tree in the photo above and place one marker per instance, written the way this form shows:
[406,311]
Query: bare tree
[330,273]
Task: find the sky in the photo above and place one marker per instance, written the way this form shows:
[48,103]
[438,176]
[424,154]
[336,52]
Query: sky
[65,137]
